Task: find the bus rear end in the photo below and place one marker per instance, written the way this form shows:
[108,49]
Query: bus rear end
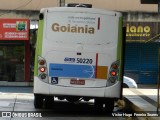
[78,56]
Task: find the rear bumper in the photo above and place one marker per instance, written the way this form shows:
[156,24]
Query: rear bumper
[48,89]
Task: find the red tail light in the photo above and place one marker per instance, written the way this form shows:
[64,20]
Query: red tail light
[113,73]
[42,69]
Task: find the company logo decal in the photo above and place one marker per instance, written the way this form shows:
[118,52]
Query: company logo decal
[56,27]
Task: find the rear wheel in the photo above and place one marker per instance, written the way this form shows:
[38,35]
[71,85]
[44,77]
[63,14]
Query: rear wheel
[102,104]
[38,101]
[109,105]
[49,100]
[98,104]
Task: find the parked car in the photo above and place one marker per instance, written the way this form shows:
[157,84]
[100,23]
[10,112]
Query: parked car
[129,82]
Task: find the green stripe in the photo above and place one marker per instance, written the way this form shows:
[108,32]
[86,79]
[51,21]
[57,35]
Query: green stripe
[38,45]
[120,47]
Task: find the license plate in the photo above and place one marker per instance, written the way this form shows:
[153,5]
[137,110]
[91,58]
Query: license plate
[77,82]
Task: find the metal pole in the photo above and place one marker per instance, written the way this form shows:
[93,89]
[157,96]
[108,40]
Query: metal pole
[61,3]
[158,6]
[158,90]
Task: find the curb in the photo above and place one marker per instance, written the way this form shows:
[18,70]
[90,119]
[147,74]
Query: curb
[130,105]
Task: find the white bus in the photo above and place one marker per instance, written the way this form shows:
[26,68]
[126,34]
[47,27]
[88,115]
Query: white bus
[78,56]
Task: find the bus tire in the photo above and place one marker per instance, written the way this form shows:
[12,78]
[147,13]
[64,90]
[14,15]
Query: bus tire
[98,104]
[49,100]
[109,106]
[38,101]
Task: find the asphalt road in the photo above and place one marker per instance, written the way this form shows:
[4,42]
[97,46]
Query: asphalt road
[16,103]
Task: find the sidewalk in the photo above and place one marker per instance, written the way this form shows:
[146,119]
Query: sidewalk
[19,89]
[143,101]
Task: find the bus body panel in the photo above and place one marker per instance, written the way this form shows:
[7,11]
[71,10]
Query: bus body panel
[72,36]
[47,89]
[41,87]
[110,92]
[71,69]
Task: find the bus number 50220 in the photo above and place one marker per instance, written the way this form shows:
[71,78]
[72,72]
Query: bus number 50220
[84,60]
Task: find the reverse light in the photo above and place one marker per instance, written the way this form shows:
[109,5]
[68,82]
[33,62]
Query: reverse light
[43,76]
[112,79]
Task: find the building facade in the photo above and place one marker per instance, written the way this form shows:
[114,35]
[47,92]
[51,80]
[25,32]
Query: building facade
[142,46]
[14,50]
[142,36]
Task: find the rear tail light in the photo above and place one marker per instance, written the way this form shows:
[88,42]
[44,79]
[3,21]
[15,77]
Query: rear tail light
[42,70]
[113,73]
